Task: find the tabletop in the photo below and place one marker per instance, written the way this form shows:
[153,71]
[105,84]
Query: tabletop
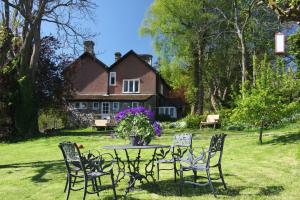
[123,147]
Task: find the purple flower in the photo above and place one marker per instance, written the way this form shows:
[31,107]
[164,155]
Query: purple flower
[157,128]
[137,111]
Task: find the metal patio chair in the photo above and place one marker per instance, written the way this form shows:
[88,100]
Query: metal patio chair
[86,169]
[204,161]
[181,144]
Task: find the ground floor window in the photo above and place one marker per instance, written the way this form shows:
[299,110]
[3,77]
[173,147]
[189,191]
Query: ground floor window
[170,111]
[105,107]
[83,105]
[77,105]
[95,105]
[116,106]
[135,104]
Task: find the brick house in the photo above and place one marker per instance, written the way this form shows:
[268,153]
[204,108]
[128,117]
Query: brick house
[130,82]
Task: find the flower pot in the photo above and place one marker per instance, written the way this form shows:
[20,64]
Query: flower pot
[136,141]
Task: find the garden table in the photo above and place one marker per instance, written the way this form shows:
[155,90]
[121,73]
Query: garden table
[133,165]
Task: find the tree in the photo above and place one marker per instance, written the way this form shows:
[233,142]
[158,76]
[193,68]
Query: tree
[287,10]
[247,17]
[271,99]
[22,47]
[181,29]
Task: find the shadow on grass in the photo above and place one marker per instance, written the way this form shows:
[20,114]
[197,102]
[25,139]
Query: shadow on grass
[285,139]
[40,167]
[170,188]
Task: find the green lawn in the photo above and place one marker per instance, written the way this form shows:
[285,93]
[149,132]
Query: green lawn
[34,169]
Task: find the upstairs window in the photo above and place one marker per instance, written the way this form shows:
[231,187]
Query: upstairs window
[131,85]
[112,78]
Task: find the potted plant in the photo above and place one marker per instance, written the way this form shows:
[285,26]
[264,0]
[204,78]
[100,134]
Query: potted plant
[138,125]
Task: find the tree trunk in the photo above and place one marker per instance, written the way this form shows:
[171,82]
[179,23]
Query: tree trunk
[198,74]
[243,60]
[261,132]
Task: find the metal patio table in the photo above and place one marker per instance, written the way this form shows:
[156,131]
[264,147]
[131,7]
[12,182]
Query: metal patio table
[133,165]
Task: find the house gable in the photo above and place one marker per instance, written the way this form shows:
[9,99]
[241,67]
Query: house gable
[129,67]
[87,75]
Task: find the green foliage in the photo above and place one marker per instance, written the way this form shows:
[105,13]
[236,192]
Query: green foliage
[193,121]
[294,46]
[272,98]
[135,125]
[51,119]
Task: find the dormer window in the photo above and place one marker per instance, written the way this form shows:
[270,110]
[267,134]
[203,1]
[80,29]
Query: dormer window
[112,78]
[131,86]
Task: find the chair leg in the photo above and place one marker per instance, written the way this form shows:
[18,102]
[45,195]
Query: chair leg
[210,183]
[157,167]
[195,177]
[99,179]
[175,171]
[113,184]
[95,187]
[69,181]
[75,178]
[85,188]
[181,181]
[221,176]
[66,185]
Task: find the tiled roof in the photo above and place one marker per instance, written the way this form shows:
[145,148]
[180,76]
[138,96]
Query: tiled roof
[111,97]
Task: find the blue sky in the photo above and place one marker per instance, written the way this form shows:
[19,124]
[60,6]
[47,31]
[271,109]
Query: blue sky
[118,22]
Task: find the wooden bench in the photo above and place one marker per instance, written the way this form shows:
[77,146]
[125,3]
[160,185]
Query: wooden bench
[210,120]
[103,123]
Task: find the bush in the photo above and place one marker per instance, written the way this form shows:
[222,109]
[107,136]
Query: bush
[193,121]
[50,120]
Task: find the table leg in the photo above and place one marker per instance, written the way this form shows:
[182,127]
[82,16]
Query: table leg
[121,169]
[149,167]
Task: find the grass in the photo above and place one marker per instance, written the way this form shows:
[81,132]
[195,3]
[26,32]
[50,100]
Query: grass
[34,169]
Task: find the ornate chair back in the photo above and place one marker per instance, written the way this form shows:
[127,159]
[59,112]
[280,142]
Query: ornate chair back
[72,157]
[216,148]
[182,140]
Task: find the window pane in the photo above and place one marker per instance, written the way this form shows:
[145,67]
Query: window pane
[136,86]
[116,106]
[77,105]
[105,108]
[125,86]
[172,112]
[112,80]
[130,86]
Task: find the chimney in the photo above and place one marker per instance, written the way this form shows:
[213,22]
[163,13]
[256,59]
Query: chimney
[89,47]
[147,58]
[118,55]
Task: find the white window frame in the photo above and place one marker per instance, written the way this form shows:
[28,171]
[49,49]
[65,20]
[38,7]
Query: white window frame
[112,74]
[75,107]
[135,102]
[128,83]
[82,107]
[113,106]
[166,110]
[103,109]
[95,107]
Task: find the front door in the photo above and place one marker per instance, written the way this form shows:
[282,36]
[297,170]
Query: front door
[105,110]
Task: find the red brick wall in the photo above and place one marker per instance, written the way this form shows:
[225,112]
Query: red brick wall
[134,68]
[88,76]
